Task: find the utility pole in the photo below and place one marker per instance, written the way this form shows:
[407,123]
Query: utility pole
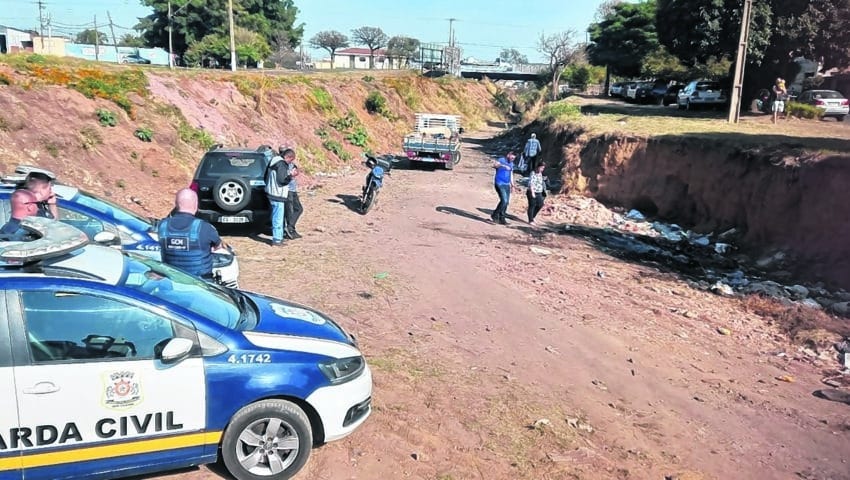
[232,39]
[49,34]
[302,55]
[114,41]
[451,32]
[41,22]
[740,63]
[170,40]
[96,41]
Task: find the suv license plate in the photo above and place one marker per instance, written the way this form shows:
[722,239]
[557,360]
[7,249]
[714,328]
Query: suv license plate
[233,219]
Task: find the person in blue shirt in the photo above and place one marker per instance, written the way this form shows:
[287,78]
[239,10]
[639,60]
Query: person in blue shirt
[187,241]
[24,203]
[531,152]
[503,182]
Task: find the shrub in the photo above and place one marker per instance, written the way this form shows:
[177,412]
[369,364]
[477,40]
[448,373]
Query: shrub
[322,133]
[90,138]
[376,103]
[560,111]
[502,101]
[106,118]
[323,99]
[144,134]
[345,123]
[336,148]
[5,79]
[359,137]
[368,78]
[803,110]
[195,136]
[52,148]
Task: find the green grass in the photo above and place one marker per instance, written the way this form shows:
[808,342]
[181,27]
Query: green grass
[195,136]
[560,111]
[323,99]
[706,126]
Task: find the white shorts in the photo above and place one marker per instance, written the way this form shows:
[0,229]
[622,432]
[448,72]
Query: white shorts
[778,106]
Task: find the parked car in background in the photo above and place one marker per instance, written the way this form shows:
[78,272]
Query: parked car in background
[831,102]
[663,93]
[616,89]
[135,58]
[701,93]
[630,90]
[643,92]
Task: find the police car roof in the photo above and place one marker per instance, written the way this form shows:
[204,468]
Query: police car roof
[60,247]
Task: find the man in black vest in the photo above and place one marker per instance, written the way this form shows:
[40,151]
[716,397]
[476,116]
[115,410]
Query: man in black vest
[187,241]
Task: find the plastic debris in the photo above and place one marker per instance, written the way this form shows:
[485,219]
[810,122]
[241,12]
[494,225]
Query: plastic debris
[540,251]
[786,378]
[382,275]
[721,248]
[724,331]
[635,215]
[721,288]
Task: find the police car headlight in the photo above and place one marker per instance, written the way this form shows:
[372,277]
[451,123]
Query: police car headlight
[343,370]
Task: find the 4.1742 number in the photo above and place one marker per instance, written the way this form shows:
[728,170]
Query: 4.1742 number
[250,358]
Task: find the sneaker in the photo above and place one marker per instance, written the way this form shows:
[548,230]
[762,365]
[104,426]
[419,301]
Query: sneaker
[293,235]
[278,244]
[502,221]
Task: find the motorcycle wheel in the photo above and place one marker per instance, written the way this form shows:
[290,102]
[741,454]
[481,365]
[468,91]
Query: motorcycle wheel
[368,201]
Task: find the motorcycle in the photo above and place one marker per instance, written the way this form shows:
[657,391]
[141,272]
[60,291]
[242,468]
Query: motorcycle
[225,267]
[374,181]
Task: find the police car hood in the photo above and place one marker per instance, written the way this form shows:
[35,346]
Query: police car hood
[284,318]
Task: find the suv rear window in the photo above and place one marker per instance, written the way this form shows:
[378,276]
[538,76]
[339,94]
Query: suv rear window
[702,86]
[247,164]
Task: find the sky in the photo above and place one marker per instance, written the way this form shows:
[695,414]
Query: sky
[482,27]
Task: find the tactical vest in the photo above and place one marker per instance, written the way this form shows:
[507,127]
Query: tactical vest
[183,249]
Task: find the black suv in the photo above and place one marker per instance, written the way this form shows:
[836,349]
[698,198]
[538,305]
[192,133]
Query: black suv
[230,183]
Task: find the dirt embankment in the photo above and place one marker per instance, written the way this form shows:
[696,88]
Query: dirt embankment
[779,198]
[49,116]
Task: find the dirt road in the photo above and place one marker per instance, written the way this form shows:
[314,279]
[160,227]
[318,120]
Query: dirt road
[493,361]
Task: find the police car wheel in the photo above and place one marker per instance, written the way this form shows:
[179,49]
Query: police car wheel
[270,439]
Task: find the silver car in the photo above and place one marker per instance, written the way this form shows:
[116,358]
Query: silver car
[701,92]
[831,102]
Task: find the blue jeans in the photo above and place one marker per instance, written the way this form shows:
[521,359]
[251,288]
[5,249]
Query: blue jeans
[504,192]
[278,220]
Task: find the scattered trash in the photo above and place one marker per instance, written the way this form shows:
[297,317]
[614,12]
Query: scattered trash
[727,233]
[724,331]
[673,233]
[786,378]
[540,251]
[811,303]
[415,456]
[833,395]
[702,241]
[635,215]
[600,274]
[721,248]
[551,349]
[579,425]
[721,288]
[543,422]
[382,275]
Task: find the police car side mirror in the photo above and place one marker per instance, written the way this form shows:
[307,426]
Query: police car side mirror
[176,349]
[106,238]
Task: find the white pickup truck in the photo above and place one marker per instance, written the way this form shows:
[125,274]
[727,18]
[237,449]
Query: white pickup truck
[435,140]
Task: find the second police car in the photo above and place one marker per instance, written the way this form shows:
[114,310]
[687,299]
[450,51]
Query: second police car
[119,365]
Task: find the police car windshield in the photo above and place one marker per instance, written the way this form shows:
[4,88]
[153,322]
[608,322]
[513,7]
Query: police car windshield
[111,210]
[179,288]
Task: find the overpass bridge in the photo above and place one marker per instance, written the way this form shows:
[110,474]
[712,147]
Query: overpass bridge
[502,71]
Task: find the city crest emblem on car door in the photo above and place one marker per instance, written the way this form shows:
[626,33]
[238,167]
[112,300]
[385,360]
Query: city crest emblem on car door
[122,390]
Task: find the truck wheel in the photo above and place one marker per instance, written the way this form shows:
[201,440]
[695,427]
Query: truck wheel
[268,440]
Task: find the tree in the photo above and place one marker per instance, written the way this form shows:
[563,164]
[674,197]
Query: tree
[196,19]
[91,37]
[512,55]
[403,48]
[696,30]
[330,40]
[251,48]
[560,49]
[604,9]
[623,38]
[373,37]
[130,40]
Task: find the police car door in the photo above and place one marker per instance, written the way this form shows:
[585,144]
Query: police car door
[93,389]
[10,455]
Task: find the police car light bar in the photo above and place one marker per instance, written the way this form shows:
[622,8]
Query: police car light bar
[57,239]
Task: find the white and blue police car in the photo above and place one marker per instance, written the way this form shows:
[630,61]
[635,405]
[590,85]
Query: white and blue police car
[116,364]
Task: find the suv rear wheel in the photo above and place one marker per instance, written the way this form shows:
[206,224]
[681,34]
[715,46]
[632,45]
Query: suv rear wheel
[231,194]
